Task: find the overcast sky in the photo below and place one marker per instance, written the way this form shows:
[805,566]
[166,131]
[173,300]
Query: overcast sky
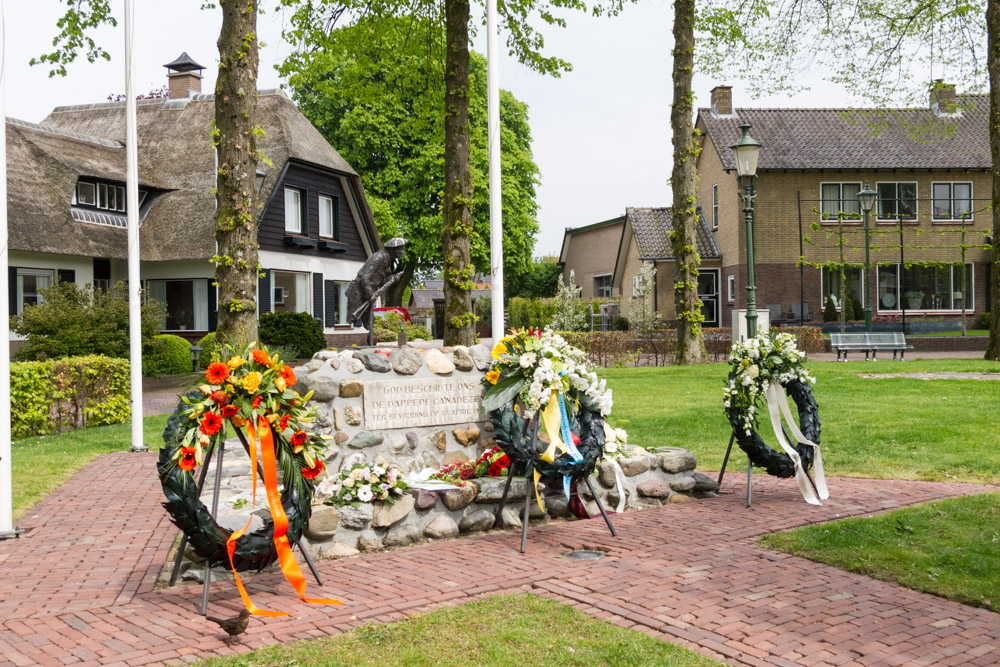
[601,132]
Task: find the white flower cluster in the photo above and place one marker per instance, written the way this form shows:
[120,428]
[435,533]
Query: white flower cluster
[757,362]
[615,440]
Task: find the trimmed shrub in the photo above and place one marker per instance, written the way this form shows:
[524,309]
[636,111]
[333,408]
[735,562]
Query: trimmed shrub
[75,392]
[620,324]
[859,311]
[388,326]
[298,330]
[209,351]
[76,320]
[830,311]
[983,321]
[536,313]
[168,355]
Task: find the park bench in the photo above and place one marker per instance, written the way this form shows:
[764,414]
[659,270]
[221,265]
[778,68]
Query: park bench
[870,343]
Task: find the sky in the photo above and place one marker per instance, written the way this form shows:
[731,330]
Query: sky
[601,133]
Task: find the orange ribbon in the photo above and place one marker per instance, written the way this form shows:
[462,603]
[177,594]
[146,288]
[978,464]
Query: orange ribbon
[289,567]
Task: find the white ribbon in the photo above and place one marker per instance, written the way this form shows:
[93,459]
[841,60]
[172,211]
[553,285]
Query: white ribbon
[619,484]
[778,402]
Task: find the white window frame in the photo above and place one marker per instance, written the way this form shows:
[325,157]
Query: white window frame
[197,314]
[860,278]
[840,201]
[598,287]
[308,290]
[730,288]
[323,231]
[298,226]
[916,201]
[951,201]
[79,191]
[715,206]
[637,291]
[279,296]
[50,273]
[971,300]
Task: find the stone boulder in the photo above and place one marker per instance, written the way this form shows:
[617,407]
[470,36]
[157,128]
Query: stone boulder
[703,483]
[462,360]
[460,498]
[374,361]
[338,550]
[351,388]
[401,535]
[677,459]
[356,518]
[653,488]
[475,521]
[365,439]
[491,489]
[352,414]
[388,515]
[355,366]
[481,357]
[443,526]
[467,436]
[634,465]
[424,499]
[438,363]
[406,360]
[322,524]
[324,388]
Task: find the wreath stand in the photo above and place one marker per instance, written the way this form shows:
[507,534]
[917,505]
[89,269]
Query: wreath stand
[215,512]
[527,495]
[725,460]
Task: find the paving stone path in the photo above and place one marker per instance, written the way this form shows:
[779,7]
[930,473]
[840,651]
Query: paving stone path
[78,588]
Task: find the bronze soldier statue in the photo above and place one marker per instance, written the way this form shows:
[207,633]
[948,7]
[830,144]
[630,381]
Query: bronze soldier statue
[377,275]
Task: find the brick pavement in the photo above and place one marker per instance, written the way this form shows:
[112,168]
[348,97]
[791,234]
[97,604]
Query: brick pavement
[78,588]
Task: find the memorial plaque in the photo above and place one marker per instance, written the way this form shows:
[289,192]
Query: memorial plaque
[424,402]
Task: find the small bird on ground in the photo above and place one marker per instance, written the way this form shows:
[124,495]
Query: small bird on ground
[235,626]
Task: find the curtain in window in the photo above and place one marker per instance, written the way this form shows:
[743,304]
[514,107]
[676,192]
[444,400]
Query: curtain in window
[200,305]
[342,303]
[301,293]
[157,290]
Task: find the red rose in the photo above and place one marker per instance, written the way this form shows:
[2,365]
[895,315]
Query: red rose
[211,424]
[229,411]
[219,397]
[311,473]
[260,356]
[217,372]
[187,460]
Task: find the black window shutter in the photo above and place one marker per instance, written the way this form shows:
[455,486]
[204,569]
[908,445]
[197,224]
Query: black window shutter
[336,218]
[264,298]
[318,297]
[66,275]
[330,301]
[12,290]
[213,306]
[102,269]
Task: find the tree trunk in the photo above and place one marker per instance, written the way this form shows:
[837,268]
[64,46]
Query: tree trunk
[683,238]
[458,317]
[236,194]
[394,295]
[993,63]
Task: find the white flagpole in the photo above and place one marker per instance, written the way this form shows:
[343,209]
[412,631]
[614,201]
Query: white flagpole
[496,208]
[132,204]
[6,493]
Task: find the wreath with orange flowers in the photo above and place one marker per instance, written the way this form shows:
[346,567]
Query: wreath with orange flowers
[238,393]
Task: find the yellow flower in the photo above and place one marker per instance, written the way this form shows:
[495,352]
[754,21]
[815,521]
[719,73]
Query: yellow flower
[493,376]
[280,383]
[205,389]
[251,383]
[236,362]
[499,349]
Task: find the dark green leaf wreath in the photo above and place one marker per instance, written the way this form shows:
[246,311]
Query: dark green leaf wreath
[254,551]
[511,436]
[762,455]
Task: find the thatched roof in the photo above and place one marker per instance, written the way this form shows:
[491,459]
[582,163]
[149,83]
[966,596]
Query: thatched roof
[176,160]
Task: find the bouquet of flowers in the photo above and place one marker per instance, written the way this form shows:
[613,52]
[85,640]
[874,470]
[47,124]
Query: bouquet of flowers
[249,387]
[534,365]
[615,440]
[364,483]
[492,463]
[756,363]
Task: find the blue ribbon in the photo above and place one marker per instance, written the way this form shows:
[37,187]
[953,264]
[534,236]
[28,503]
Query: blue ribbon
[567,438]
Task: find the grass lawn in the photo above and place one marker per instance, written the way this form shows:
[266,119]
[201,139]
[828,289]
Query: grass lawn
[500,630]
[949,547]
[968,332]
[61,456]
[942,430]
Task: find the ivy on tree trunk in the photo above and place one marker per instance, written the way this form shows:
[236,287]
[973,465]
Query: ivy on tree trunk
[683,181]
[455,241]
[993,55]
[236,194]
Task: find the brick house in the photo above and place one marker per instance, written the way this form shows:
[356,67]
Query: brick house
[587,252]
[812,165]
[68,221]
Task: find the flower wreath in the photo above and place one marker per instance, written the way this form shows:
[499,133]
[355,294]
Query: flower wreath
[253,391]
[756,363]
[546,376]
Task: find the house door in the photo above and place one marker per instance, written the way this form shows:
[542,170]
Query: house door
[708,292]
[438,319]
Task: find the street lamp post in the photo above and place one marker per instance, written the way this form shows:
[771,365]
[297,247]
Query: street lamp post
[867,200]
[747,150]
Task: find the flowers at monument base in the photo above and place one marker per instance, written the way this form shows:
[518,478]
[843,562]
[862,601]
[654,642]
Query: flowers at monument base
[536,366]
[491,463]
[756,363]
[364,483]
[615,440]
[242,391]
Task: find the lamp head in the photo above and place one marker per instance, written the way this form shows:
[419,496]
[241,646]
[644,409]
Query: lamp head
[747,150]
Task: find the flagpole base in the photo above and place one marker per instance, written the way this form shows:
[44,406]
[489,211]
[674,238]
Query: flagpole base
[8,534]
[140,448]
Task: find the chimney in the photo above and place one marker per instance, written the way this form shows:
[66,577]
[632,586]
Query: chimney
[183,77]
[722,101]
[943,98]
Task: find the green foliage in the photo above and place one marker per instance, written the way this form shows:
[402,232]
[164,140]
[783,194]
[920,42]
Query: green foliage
[642,315]
[77,320]
[571,313]
[830,310]
[534,313]
[209,351]
[859,310]
[75,392]
[298,330]
[620,324]
[984,321]
[375,90]
[540,279]
[484,311]
[388,326]
[167,355]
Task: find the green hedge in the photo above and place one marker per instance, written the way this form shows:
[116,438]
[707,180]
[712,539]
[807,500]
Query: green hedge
[537,313]
[209,353]
[168,355]
[74,392]
[298,330]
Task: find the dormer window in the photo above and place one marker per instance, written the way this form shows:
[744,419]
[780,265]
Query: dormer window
[103,195]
